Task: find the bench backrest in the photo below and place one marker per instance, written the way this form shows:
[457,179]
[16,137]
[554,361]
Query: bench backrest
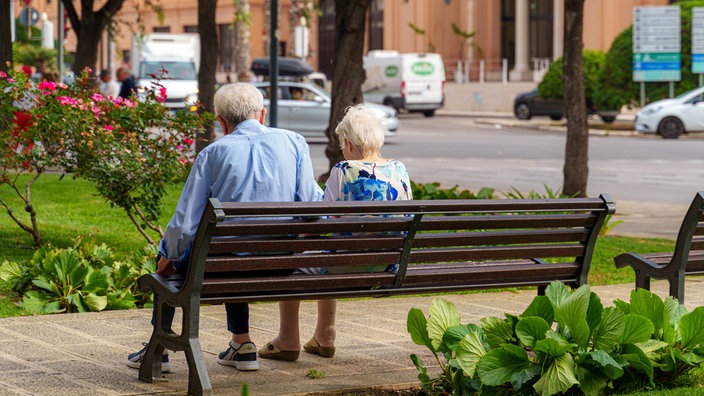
[438,245]
[689,248]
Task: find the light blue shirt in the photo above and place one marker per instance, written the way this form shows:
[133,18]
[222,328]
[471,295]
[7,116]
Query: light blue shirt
[254,163]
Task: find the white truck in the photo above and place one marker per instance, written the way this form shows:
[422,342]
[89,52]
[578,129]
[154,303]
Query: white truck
[178,54]
[411,81]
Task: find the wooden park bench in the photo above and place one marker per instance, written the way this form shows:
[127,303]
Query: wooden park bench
[439,246]
[687,258]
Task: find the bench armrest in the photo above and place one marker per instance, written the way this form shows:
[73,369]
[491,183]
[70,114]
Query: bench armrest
[159,284]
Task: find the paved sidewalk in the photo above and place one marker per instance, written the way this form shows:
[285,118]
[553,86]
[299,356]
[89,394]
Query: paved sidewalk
[84,354]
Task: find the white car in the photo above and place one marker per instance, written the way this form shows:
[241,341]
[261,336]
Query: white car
[309,114]
[670,118]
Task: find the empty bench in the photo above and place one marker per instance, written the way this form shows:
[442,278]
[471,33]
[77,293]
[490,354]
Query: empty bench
[686,259]
[439,246]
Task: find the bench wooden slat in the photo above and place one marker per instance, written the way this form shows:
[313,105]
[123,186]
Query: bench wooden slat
[352,242]
[396,224]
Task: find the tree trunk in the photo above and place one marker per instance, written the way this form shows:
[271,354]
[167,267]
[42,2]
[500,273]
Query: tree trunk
[242,48]
[347,69]
[5,36]
[208,63]
[89,27]
[576,169]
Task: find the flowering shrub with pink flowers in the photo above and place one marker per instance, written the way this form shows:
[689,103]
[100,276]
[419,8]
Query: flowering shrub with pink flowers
[129,149]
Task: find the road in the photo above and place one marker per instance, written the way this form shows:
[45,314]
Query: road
[458,151]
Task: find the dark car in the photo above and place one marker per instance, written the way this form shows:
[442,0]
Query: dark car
[529,104]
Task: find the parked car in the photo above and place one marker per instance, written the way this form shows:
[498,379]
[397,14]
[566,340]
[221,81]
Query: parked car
[529,104]
[309,114]
[670,118]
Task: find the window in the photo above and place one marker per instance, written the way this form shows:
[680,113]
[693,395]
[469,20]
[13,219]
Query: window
[162,29]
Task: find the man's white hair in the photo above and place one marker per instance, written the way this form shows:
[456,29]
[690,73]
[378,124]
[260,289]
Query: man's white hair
[238,102]
[362,128]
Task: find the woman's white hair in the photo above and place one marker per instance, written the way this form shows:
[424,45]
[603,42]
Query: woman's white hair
[362,128]
[238,102]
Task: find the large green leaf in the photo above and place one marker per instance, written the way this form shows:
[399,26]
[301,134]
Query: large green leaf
[499,365]
[623,306]
[648,305]
[608,365]
[637,329]
[524,376]
[417,327]
[120,300]
[455,334]
[591,380]
[553,347]
[672,312]
[531,329]
[635,358]
[556,292]
[653,348]
[541,307]
[594,312]
[443,315]
[559,377]
[572,313]
[608,333]
[497,331]
[10,271]
[94,302]
[38,302]
[45,283]
[96,282]
[469,352]
[691,328]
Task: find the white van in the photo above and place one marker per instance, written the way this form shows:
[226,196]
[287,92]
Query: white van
[412,81]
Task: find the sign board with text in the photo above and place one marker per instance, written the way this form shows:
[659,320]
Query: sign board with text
[657,51]
[698,40]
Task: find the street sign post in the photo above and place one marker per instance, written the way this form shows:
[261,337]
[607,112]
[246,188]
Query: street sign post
[698,42]
[657,50]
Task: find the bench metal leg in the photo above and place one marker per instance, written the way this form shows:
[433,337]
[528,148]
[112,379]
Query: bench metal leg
[677,287]
[198,380]
[151,365]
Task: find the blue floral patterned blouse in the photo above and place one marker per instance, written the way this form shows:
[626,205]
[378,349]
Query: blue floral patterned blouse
[367,181]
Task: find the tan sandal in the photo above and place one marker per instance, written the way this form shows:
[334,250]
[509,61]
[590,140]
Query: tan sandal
[312,346]
[271,351]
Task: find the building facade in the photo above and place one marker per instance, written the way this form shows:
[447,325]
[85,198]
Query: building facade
[513,39]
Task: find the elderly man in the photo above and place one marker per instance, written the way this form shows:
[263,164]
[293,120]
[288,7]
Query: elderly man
[128,87]
[251,163]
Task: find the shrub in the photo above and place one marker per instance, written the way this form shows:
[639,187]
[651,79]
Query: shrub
[552,84]
[85,277]
[130,149]
[565,341]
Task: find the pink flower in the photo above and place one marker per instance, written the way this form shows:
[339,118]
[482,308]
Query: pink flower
[97,97]
[66,100]
[129,103]
[162,95]
[109,127]
[47,87]
[3,74]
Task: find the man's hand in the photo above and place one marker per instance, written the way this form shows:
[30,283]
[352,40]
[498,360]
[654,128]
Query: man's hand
[165,267]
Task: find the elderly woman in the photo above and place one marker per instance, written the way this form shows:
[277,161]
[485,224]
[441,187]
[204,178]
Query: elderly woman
[364,176]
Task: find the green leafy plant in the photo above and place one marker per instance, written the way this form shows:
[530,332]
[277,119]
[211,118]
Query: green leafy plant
[550,193]
[81,278]
[565,342]
[433,191]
